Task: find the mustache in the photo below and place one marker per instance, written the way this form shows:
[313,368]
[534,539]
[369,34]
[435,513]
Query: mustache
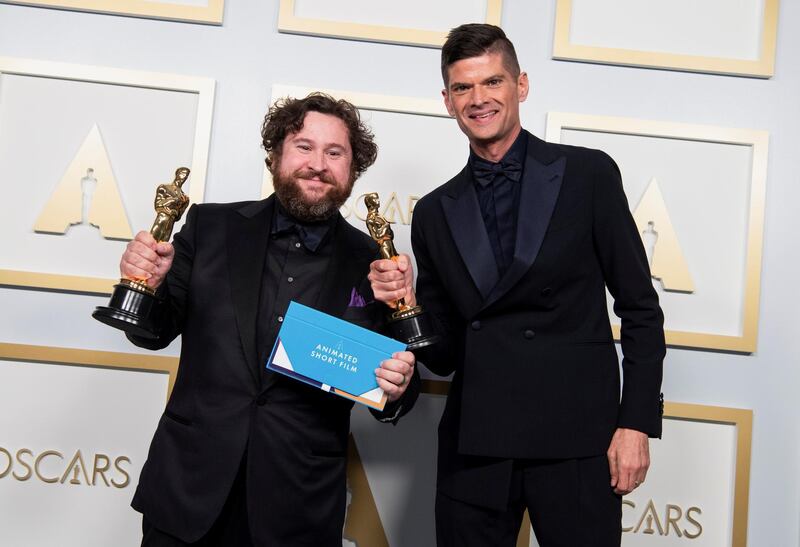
[311,173]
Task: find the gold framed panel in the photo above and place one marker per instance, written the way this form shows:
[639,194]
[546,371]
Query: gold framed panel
[169,10]
[79,424]
[291,23]
[762,67]
[204,88]
[368,101]
[741,419]
[758,141]
[93,358]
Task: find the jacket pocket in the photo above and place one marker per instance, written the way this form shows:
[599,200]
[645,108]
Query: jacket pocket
[177,417]
[361,316]
[328,453]
[593,342]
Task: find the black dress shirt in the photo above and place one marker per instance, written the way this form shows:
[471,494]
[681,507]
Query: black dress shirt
[497,185]
[296,262]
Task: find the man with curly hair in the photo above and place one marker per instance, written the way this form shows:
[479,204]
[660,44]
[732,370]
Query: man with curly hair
[243,456]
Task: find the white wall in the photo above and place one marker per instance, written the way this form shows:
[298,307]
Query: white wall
[247,55]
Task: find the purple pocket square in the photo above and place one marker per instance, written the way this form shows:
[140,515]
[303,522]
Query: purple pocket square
[356,300]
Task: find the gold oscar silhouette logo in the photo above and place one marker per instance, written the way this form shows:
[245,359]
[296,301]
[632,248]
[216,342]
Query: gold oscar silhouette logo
[87,195]
[667,263]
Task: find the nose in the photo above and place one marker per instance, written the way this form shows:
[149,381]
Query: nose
[478,95]
[317,160]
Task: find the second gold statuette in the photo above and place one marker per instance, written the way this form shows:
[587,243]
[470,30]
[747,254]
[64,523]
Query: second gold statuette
[409,324]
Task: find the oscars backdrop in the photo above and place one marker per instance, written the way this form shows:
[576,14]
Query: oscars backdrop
[695,100]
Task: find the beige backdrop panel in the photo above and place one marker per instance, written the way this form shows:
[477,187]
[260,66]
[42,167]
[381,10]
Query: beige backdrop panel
[699,35]
[74,439]
[712,181]
[414,22]
[201,11]
[43,164]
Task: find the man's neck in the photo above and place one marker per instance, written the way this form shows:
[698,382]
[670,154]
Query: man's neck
[495,150]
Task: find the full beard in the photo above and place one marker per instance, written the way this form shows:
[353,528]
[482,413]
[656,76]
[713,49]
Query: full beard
[289,193]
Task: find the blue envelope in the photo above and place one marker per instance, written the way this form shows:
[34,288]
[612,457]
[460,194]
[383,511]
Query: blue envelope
[331,354]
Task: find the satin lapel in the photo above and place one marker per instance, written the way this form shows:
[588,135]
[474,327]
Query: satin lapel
[463,215]
[540,187]
[248,237]
[348,264]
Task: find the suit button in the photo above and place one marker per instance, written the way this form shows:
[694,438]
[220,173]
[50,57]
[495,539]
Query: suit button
[528,334]
[547,291]
[476,325]
[262,400]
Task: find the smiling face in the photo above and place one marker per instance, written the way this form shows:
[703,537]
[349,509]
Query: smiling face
[312,175]
[484,98]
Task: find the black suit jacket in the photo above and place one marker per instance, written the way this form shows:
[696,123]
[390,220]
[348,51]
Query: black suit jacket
[536,369]
[294,436]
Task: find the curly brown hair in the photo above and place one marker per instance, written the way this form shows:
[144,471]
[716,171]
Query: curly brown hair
[288,114]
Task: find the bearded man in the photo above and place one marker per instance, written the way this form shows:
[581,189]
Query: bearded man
[243,456]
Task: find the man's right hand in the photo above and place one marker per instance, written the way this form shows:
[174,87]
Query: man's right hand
[392,280]
[146,260]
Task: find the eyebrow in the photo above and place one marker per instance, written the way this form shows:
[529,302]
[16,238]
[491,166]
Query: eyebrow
[498,76]
[306,140]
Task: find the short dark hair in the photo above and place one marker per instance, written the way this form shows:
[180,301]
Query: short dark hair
[288,114]
[476,39]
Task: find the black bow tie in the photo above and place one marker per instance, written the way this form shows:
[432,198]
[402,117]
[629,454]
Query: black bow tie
[485,172]
[311,235]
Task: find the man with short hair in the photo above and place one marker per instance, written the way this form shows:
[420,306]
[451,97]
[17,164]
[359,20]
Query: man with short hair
[514,254]
[243,456]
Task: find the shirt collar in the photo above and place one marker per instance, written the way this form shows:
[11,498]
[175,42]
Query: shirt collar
[517,152]
[311,234]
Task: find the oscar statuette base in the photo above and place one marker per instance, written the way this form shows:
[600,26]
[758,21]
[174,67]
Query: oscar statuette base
[130,309]
[412,326]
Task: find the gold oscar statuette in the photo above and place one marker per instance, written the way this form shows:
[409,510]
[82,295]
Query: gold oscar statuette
[409,324]
[133,301]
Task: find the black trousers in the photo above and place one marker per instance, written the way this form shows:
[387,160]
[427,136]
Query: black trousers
[570,503]
[231,529]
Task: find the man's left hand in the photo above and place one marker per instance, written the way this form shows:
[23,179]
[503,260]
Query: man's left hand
[628,459]
[395,374]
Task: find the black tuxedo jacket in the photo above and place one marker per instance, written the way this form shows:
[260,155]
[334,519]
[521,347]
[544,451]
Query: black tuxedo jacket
[536,369]
[293,435]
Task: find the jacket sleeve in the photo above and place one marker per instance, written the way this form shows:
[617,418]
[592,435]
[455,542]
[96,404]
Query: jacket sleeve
[170,312]
[619,249]
[441,358]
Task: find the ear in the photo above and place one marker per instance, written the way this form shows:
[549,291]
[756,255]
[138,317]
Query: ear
[447,104]
[523,86]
